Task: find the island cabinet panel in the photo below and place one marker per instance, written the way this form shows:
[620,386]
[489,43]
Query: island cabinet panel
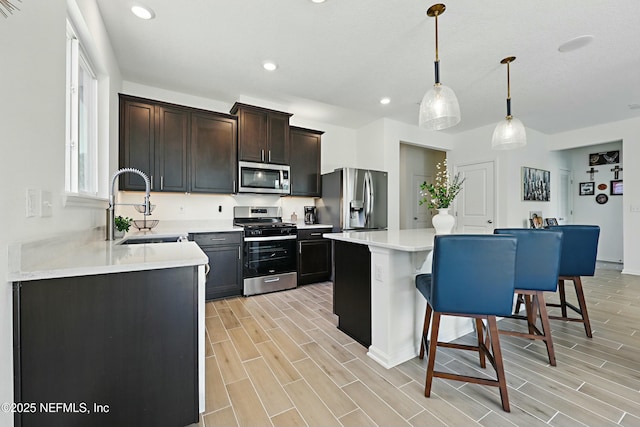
[224,250]
[126,342]
[305,162]
[352,290]
[263,134]
[314,256]
[213,153]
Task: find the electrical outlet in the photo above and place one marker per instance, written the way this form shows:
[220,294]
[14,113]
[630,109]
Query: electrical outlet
[635,208]
[181,210]
[378,273]
[33,200]
[46,204]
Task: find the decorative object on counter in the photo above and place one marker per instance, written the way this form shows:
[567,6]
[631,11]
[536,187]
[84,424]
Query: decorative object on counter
[616,172]
[604,158]
[602,198]
[439,108]
[122,225]
[616,188]
[535,219]
[591,172]
[510,132]
[10,7]
[536,184]
[145,224]
[140,208]
[440,195]
[294,217]
[550,222]
[602,186]
[587,188]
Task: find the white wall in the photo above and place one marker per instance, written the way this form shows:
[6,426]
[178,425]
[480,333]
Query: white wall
[627,132]
[32,119]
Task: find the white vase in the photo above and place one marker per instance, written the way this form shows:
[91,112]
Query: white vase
[443,222]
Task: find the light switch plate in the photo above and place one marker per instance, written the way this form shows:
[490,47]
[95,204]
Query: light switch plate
[46,205]
[33,200]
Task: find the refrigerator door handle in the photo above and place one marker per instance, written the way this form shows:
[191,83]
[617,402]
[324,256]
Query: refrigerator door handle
[368,198]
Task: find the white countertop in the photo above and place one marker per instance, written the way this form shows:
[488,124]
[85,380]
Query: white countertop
[415,240]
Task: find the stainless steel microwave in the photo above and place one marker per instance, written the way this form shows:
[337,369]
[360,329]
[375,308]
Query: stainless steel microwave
[264,178]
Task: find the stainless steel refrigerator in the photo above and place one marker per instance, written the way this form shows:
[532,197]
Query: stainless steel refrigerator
[353,199]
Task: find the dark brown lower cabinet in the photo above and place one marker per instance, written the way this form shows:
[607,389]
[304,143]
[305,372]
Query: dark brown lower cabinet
[107,350]
[225,263]
[352,290]
[314,256]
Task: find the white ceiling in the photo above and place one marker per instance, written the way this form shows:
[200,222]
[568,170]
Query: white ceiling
[337,59]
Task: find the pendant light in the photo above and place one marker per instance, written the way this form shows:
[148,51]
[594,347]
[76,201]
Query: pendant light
[439,108]
[510,132]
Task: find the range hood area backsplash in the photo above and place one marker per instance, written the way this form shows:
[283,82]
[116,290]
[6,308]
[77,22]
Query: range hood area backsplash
[180,206]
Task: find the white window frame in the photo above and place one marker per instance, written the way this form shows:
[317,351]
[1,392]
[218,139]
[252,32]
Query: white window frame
[81,175]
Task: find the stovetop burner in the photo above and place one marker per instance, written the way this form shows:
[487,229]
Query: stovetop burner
[262,221]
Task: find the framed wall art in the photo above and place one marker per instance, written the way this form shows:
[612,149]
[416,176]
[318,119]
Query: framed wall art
[536,184]
[616,188]
[604,158]
[602,198]
[587,189]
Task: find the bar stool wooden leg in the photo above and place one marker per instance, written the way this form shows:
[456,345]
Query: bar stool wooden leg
[546,326]
[563,298]
[425,330]
[433,343]
[498,364]
[577,282]
[480,333]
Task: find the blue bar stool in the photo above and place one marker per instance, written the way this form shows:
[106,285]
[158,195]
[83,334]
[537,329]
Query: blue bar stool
[537,267]
[578,258]
[472,276]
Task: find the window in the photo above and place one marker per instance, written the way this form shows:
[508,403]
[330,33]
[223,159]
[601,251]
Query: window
[81,120]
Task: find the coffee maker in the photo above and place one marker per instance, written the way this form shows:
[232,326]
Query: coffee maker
[310,216]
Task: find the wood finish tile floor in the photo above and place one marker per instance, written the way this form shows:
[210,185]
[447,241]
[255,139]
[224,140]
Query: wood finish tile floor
[279,360]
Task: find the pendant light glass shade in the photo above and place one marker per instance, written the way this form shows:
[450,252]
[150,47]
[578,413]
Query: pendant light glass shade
[510,132]
[439,108]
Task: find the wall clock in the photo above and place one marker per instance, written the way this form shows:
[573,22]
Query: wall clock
[602,198]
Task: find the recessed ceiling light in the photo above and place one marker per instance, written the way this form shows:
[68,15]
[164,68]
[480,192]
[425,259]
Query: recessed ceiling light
[142,12]
[385,101]
[575,43]
[318,1]
[269,66]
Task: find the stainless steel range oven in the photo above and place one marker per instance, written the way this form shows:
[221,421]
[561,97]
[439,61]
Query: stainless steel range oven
[269,249]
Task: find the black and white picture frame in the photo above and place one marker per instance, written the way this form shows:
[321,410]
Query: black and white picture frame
[604,158]
[587,188]
[536,184]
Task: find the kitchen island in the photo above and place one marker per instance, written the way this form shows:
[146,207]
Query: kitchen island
[112,332]
[397,307]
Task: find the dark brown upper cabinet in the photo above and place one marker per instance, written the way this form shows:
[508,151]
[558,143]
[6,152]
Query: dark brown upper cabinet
[305,162]
[263,134]
[181,149]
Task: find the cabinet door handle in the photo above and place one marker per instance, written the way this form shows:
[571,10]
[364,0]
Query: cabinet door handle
[262,155]
[269,156]
[239,254]
[161,182]
[151,182]
[300,247]
[207,269]
[218,239]
[316,234]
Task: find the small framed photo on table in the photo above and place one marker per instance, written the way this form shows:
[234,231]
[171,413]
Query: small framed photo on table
[550,222]
[616,187]
[587,188]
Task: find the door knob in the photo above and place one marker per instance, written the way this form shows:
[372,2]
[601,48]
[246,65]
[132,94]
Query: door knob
[490,222]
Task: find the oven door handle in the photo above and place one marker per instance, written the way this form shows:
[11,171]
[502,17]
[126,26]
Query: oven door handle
[269,238]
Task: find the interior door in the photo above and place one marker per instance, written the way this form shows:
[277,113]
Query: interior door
[564,198]
[475,205]
[421,213]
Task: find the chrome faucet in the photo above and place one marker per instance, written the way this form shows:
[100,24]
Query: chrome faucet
[112,199]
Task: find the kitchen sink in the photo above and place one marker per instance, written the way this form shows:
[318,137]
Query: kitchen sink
[139,240]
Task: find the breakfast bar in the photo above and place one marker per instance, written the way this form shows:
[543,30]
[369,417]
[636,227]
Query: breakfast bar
[397,308]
